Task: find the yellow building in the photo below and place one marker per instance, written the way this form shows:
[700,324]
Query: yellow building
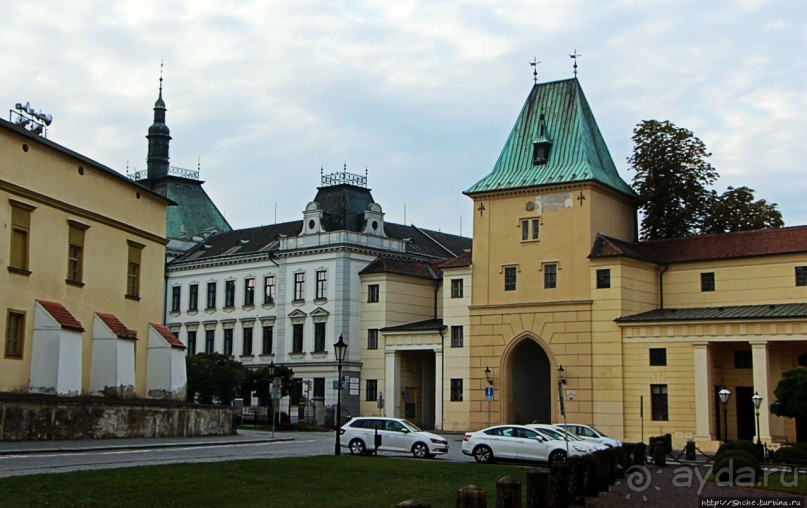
[84,251]
[646,333]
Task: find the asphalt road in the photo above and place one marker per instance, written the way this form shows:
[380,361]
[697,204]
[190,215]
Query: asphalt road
[17,459]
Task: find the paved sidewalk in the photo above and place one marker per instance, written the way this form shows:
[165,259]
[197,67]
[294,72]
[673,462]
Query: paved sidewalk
[677,486]
[73,446]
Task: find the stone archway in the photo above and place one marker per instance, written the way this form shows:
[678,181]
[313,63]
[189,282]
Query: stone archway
[531,384]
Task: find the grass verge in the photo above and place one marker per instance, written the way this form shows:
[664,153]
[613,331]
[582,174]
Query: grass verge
[308,482]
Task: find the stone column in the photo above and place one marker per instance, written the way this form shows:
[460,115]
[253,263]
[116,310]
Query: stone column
[759,355]
[703,388]
[439,396]
[392,384]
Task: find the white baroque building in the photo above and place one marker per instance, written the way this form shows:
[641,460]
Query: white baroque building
[284,293]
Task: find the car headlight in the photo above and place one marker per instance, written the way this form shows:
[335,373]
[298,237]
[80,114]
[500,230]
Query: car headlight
[579,448]
[438,441]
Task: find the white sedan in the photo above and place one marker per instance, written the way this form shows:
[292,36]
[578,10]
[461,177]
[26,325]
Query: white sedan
[512,442]
[590,433]
[577,445]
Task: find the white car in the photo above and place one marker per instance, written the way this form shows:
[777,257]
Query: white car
[590,433]
[512,442]
[394,434]
[577,445]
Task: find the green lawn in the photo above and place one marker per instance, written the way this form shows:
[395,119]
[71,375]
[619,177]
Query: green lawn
[309,482]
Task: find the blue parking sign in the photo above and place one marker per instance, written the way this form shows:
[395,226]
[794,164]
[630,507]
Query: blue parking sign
[489,392]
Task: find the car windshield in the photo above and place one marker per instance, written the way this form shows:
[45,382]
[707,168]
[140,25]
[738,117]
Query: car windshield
[598,431]
[412,426]
[551,433]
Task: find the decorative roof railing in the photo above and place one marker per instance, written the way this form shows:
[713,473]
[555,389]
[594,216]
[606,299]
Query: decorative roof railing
[342,178]
[191,174]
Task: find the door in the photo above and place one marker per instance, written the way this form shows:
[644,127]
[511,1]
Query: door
[394,436]
[531,387]
[531,446]
[746,426]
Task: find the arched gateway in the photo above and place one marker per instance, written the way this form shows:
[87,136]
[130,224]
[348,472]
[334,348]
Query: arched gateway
[531,384]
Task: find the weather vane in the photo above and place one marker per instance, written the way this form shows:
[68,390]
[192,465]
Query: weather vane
[161,77]
[574,56]
[534,65]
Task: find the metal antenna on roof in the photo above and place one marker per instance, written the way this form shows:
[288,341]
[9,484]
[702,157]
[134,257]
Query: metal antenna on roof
[534,65]
[574,56]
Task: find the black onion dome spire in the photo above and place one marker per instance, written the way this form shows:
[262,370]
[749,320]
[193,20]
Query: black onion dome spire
[159,137]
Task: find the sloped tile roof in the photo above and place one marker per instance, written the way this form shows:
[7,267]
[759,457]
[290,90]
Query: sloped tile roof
[420,269]
[463,259]
[578,152]
[168,335]
[777,311]
[195,211]
[117,327]
[762,242]
[61,315]
[429,324]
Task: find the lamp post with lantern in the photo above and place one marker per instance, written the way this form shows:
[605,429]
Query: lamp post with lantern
[489,389]
[340,349]
[562,399]
[725,394]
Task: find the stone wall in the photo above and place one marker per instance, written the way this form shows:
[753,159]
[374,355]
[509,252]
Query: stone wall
[32,417]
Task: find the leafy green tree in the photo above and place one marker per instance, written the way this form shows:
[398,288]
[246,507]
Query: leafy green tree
[214,377]
[736,210]
[672,177]
[791,394]
[259,381]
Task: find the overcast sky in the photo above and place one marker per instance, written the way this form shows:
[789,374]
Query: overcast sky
[423,93]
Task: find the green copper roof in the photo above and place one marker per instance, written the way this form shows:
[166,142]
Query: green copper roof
[577,154]
[195,212]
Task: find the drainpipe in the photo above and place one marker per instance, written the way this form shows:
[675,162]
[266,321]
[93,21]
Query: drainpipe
[661,286]
[442,384]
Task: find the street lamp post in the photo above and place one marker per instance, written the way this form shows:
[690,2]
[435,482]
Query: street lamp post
[561,398]
[272,390]
[489,378]
[340,348]
[724,398]
[757,398]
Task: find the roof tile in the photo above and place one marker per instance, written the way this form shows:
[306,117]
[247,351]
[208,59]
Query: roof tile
[168,335]
[117,327]
[61,315]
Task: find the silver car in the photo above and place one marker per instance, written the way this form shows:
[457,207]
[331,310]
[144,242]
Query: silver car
[364,435]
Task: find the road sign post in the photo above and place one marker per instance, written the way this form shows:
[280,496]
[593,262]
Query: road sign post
[489,397]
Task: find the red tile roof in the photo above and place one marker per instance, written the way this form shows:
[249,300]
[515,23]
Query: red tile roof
[762,242]
[61,315]
[117,327]
[463,259]
[168,335]
[420,269]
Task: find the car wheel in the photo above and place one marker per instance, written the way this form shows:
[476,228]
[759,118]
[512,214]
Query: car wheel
[420,450]
[557,457]
[357,447]
[483,454]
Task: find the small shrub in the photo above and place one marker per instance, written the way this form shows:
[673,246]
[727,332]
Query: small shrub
[802,447]
[737,467]
[789,454]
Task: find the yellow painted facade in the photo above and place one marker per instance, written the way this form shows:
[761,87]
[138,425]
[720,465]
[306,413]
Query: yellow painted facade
[61,188]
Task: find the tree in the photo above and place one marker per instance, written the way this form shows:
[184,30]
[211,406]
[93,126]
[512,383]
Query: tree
[672,177]
[214,377]
[736,210]
[791,394]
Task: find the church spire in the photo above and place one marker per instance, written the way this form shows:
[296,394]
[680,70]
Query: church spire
[159,137]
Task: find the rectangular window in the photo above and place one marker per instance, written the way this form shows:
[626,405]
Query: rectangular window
[210,340]
[229,294]
[550,276]
[372,338]
[211,295]
[801,275]
[456,336]
[321,284]
[658,356]
[20,231]
[319,337]
[743,359]
[371,390]
[456,288]
[509,278]
[133,271]
[373,293]
[249,291]
[525,230]
[191,349]
[319,387]
[269,289]
[456,390]
[193,297]
[247,349]
[299,286]
[15,334]
[658,403]
[228,341]
[604,278]
[297,338]
[708,281]
[175,296]
[535,225]
[75,253]
[267,340]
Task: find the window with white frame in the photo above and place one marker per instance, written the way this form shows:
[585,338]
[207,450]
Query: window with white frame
[299,286]
[321,284]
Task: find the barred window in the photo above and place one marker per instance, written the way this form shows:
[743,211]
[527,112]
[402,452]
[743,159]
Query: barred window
[456,390]
[372,338]
[456,336]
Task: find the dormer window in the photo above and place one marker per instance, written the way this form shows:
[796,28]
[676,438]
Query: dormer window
[541,143]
